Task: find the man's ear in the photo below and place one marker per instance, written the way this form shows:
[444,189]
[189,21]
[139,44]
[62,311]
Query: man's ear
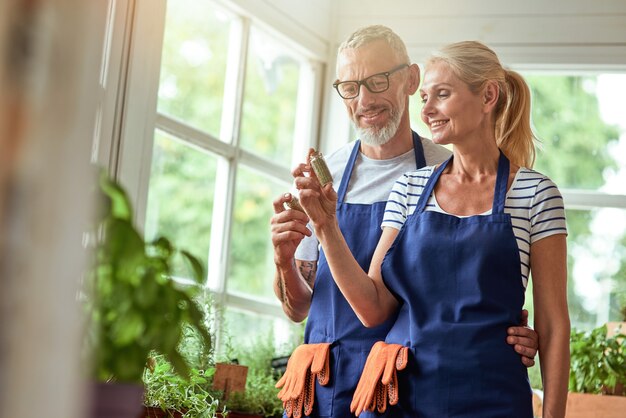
[413,81]
[490,96]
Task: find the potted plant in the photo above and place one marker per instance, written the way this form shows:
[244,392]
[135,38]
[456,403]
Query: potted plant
[597,374]
[132,304]
[167,394]
[260,398]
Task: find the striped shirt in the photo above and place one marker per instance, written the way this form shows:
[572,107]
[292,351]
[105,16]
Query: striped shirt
[533,201]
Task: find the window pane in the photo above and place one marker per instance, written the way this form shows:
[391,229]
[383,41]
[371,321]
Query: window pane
[244,330]
[572,117]
[180,197]
[251,268]
[596,264]
[271,92]
[193,67]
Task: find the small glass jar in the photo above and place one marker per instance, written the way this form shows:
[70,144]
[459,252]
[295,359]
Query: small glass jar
[294,204]
[318,164]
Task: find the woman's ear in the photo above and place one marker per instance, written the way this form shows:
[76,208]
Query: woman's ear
[490,96]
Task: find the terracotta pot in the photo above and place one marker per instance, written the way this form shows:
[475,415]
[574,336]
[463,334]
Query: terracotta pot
[116,400]
[586,405]
[613,327]
[243,415]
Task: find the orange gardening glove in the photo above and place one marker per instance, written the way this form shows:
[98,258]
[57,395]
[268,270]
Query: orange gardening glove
[308,362]
[387,388]
[379,378]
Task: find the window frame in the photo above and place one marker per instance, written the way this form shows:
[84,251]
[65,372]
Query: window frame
[135,106]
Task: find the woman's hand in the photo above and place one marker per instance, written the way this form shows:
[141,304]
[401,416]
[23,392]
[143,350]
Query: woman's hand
[318,203]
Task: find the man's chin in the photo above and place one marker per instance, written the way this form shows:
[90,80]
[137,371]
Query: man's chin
[373,139]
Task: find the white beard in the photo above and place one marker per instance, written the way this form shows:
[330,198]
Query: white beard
[374,136]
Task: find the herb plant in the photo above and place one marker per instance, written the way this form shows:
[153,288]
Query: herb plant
[598,362]
[133,305]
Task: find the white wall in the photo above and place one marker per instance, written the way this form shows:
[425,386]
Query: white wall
[572,34]
[309,23]
[522,32]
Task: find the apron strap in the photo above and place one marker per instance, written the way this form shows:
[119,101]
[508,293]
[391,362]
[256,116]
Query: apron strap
[430,186]
[418,149]
[502,180]
[345,179]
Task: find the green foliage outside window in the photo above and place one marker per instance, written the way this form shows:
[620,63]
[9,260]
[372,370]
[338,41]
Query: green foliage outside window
[193,65]
[269,105]
[574,153]
[180,200]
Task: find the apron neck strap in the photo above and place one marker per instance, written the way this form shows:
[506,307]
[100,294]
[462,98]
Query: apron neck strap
[345,179]
[418,149]
[430,186]
[502,181]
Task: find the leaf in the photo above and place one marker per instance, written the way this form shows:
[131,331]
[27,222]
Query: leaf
[196,267]
[179,364]
[128,329]
[120,203]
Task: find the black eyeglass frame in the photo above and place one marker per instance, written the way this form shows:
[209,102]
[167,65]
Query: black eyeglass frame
[365,83]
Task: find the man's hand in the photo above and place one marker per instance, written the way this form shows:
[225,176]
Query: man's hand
[292,287]
[288,228]
[524,340]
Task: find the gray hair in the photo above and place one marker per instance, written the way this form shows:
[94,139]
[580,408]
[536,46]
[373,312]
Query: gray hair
[372,33]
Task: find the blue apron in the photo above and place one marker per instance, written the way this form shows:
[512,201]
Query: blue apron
[460,287]
[331,319]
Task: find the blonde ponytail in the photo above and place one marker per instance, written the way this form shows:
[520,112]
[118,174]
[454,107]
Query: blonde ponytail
[514,134]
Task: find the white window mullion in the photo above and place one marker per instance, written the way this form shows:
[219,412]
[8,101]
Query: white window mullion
[135,153]
[227,168]
[306,130]
[582,199]
[194,136]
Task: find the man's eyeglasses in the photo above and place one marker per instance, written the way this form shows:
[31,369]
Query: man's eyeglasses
[376,83]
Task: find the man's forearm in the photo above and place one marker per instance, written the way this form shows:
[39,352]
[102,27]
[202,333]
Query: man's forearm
[293,285]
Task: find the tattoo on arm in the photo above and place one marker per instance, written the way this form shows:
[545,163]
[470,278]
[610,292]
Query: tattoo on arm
[308,269]
[281,287]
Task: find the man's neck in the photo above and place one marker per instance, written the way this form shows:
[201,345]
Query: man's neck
[399,144]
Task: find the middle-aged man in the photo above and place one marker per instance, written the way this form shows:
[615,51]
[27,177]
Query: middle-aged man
[375,80]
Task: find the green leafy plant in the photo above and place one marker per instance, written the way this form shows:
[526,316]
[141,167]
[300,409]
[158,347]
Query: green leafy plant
[192,397]
[598,362]
[260,396]
[133,305]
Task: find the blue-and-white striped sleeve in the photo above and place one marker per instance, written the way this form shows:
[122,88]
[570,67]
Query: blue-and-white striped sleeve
[547,214]
[404,196]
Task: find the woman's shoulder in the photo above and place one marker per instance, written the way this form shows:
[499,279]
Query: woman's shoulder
[531,178]
[534,186]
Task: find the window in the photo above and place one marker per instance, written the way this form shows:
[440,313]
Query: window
[232,100]
[579,120]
